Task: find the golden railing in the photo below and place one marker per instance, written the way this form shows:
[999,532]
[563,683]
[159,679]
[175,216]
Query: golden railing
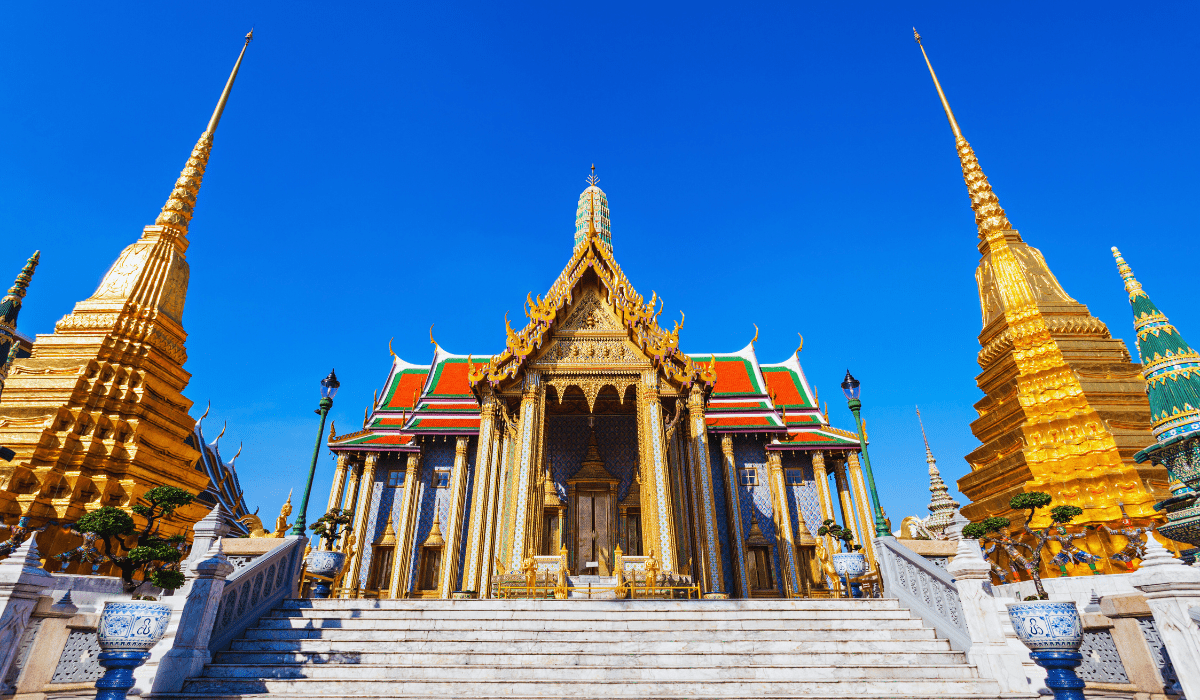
[621,591]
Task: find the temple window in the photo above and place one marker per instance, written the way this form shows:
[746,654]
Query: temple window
[441,479]
[381,568]
[431,565]
[748,476]
[395,478]
[760,568]
[633,533]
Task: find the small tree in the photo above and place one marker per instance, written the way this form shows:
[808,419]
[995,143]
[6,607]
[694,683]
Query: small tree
[995,530]
[106,531]
[329,526]
[843,535]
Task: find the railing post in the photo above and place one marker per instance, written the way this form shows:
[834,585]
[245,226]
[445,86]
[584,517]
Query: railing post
[22,580]
[202,597]
[990,651]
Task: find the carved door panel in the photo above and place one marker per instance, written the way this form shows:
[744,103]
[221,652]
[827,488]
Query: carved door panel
[603,519]
[585,535]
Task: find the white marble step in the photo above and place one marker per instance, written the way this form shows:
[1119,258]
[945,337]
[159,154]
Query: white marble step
[486,635]
[867,644]
[588,696]
[583,606]
[567,687]
[793,656]
[569,625]
[468,613]
[629,673]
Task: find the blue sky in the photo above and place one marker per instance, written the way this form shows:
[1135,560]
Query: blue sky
[381,167]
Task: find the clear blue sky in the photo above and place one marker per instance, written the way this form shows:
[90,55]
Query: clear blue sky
[381,167]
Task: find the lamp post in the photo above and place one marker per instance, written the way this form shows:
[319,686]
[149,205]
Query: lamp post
[850,387]
[329,387]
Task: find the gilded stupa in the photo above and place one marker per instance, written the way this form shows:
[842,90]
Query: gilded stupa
[96,415]
[1065,408]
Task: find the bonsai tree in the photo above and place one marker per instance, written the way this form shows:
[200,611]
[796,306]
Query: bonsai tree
[106,532]
[996,530]
[330,526]
[843,535]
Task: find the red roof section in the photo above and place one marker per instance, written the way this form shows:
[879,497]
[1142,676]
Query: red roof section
[406,387]
[451,379]
[781,384]
[733,377]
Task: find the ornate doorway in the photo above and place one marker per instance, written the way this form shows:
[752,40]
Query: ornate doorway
[594,530]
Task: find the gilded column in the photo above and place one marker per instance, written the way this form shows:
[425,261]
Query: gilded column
[863,511]
[849,518]
[361,514]
[484,465]
[737,540]
[784,540]
[406,530]
[339,480]
[525,465]
[712,577]
[654,456]
[491,521]
[348,500]
[823,495]
[458,496]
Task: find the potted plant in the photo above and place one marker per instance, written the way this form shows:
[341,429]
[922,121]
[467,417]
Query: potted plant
[851,563]
[1052,630]
[106,532]
[326,563]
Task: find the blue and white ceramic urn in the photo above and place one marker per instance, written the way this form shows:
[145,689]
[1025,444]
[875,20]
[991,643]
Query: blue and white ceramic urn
[132,626]
[851,564]
[1045,625]
[326,564]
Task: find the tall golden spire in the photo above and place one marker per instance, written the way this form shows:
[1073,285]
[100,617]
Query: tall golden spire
[10,305]
[177,212]
[989,215]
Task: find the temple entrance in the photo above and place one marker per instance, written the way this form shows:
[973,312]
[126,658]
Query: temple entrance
[594,531]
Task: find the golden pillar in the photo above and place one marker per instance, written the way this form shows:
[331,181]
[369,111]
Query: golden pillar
[485,467]
[823,495]
[781,513]
[708,545]
[654,465]
[339,480]
[349,499]
[866,523]
[406,530]
[361,514]
[523,519]
[734,511]
[491,521]
[454,534]
[807,563]
[849,518]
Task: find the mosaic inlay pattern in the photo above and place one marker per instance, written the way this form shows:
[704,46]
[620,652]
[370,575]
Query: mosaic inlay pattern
[566,444]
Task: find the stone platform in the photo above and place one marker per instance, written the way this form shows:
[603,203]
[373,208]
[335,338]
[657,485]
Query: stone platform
[590,649]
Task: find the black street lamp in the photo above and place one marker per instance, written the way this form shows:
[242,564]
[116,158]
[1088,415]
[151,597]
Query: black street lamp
[850,387]
[329,387]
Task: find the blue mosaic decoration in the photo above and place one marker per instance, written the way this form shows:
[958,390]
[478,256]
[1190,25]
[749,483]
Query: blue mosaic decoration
[1044,625]
[132,626]
[802,491]
[566,445]
[466,514]
[748,454]
[716,460]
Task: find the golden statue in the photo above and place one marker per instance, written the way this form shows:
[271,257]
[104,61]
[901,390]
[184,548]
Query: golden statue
[254,524]
[281,523]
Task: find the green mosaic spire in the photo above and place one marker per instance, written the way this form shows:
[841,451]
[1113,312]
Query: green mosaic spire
[1170,366]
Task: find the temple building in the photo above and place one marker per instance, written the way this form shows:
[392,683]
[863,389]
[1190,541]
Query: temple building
[1172,371]
[593,443]
[1064,408]
[96,415]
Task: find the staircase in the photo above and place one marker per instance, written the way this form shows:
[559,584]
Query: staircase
[865,648]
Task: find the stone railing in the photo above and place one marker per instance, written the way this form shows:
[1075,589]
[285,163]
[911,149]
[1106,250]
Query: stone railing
[251,591]
[925,589]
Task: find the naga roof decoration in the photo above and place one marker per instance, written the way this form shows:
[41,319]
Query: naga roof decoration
[223,484]
[1170,366]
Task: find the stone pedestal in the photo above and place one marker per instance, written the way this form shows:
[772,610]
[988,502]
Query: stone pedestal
[22,580]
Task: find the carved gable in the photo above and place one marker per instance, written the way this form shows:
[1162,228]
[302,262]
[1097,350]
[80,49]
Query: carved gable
[591,335]
[591,314]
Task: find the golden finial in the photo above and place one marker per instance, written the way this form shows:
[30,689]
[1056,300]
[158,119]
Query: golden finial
[390,350]
[592,179]
[1132,286]
[431,340]
[591,213]
[801,346]
[177,212]
[366,417]
[332,430]
[388,538]
[755,338]
[989,215]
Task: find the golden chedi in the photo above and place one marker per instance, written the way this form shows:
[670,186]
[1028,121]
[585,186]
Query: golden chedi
[1065,408]
[96,416]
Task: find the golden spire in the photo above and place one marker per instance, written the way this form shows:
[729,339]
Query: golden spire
[1132,286]
[177,212]
[989,215]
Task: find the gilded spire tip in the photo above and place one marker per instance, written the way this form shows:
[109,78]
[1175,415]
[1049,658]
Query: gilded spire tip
[592,180]
[10,305]
[1132,286]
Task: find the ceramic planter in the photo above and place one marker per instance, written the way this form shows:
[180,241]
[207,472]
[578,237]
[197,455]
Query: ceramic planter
[327,565]
[851,564]
[126,633]
[1046,625]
